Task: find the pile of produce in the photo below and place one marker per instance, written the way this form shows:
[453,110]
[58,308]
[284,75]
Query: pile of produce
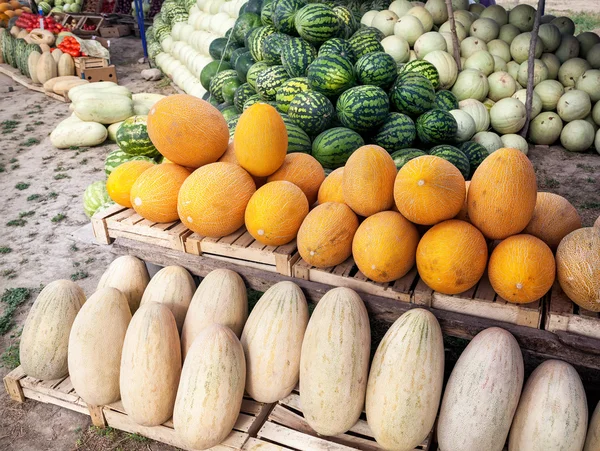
[28,22]
[10,11]
[61,6]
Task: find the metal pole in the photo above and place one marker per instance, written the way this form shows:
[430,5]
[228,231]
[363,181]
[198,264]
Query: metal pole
[140,20]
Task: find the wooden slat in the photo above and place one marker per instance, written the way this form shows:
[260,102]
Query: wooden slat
[563,316]
[485,292]
[13,386]
[256,444]
[298,440]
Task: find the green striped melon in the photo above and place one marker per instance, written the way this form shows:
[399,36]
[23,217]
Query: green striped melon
[266,13]
[132,137]
[210,70]
[242,93]
[243,65]
[255,41]
[117,157]
[424,68]
[272,45]
[298,139]
[217,82]
[436,127]
[253,72]
[229,88]
[401,157]
[364,44]
[288,90]
[376,69]
[244,23]
[312,111]
[338,46]
[348,23]
[269,81]
[413,94]
[333,147]
[296,56]
[316,23]
[369,32]
[445,100]
[475,152]
[231,124]
[229,112]
[284,12]
[397,132]
[331,74]
[363,107]
[455,156]
[96,198]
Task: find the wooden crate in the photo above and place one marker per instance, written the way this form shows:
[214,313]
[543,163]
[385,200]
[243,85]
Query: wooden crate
[409,288]
[564,315]
[286,429]
[242,249]
[118,221]
[87,62]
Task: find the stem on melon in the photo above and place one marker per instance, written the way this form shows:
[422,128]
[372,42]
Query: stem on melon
[453,33]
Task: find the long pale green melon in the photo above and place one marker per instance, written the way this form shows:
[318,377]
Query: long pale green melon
[272,341]
[552,413]
[334,362]
[96,344]
[592,442]
[405,382]
[211,389]
[45,337]
[150,365]
[129,275]
[482,394]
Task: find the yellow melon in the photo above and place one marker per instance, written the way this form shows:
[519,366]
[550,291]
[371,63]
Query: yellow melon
[122,179]
[463,214]
[229,157]
[304,171]
[331,188]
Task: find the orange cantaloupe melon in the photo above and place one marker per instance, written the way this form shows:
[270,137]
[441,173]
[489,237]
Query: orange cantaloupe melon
[304,171]
[429,190]
[187,130]
[122,179]
[522,269]
[229,157]
[451,256]
[275,213]
[325,237]
[213,199]
[502,194]
[463,214]
[260,140]
[331,188]
[385,246]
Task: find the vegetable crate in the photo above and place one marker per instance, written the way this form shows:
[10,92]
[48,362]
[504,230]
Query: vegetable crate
[86,62]
[564,315]
[242,249]
[89,26]
[409,288]
[286,429]
[118,221]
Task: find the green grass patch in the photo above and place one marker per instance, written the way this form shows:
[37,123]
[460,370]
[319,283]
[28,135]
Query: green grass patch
[30,142]
[8,126]
[34,197]
[9,273]
[590,205]
[16,223]
[10,358]
[13,298]
[22,185]
[73,248]
[5,250]
[52,195]
[26,214]
[79,275]
[59,217]
[138,438]
[61,176]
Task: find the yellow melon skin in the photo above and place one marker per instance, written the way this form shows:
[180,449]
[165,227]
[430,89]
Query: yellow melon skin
[275,213]
[385,246]
[451,257]
[553,218]
[502,194]
[122,179]
[463,214]
[325,237]
[368,180]
[302,170]
[229,157]
[212,200]
[331,188]
[522,269]
[429,190]
[578,267]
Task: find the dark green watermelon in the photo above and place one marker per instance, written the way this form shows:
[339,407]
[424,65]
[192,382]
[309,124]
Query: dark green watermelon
[217,82]
[333,147]
[296,56]
[284,12]
[288,90]
[255,40]
[436,127]
[376,69]
[298,139]
[272,47]
[269,81]
[445,100]
[243,64]
[454,155]
[475,152]
[210,70]
[242,93]
[424,68]
[331,74]
[338,46]
[363,108]
[397,132]
[244,24]
[401,157]
[412,94]
[316,23]
[312,111]
[266,14]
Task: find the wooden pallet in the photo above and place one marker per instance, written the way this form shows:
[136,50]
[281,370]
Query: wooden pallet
[409,288]
[241,248]
[117,221]
[286,429]
[24,81]
[564,315]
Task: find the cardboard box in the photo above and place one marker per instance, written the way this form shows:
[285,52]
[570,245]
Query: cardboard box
[100,74]
[115,31]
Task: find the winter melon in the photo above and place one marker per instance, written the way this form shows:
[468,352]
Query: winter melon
[130,276]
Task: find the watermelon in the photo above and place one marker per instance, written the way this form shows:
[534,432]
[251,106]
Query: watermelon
[210,70]
[45,7]
[424,68]
[397,132]
[376,69]
[272,48]
[333,147]
[401,157]
[363,107]
[338,46]
[95,198]
[365,44]
[132,137]
[255,40]
[242,93]
[229,112]
[235,55]
[412,94]
[253,72]
[251,101]
[436,127]
[369,32]
[288,90]
[316,23]
[455,156]
[284,12]
[231,124]
[266,14]
[221,48]
[331,74]
[312,111]
[270,80]
[217,82]
[475,152]
[298,139]
[296,56]
[445,100]
[229,88]
[243,65]
[117,157]
[243,25]
[348,24]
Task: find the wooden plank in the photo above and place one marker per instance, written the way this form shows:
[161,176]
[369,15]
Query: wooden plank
[298,440]
[26,82]
[13,386]
[256,444]
[562,315]
[47,399]
[485,292]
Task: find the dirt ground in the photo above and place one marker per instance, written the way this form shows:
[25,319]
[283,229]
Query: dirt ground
[556,5]
[41,207]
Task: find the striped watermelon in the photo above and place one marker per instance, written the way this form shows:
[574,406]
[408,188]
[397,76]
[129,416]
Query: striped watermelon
[333,147]
[312,111]
[266,14]
[243,65]
[363,107]
[338,46]
[255,41]
[210,70]
[454,155]
[253,72]
[296,56]
[376,69]
[231,124]
[397,132]
[96,198]
[217,82]
[348,23]
[475,152]
[132,137]
[272,45]
[298,140]
[424,68]
[269,81]
[401,157]
[244,23]
[436,127]
[331,74]
[256,99]
[369,32]
[117,157]
[445,100]
[243,93]
[316,23]
[284,12]
[288,90]
[365,44]
[412,94]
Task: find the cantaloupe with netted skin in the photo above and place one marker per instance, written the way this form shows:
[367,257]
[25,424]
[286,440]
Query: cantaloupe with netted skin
[522,269]
[553,218]
[154,193]
[463,214]
[260,140]
[229,157]
[578,267]
[331,188]
[597,223]
[275,213]
[429,190]
[325,237]
[304,171]
[187,130]
[368,180]
[122,179]
[451,257]
[213,199]
[502,194]
[384,246]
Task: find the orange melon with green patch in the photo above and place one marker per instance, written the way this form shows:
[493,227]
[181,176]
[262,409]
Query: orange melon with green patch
[331,188]
[122,179]
[304,171]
